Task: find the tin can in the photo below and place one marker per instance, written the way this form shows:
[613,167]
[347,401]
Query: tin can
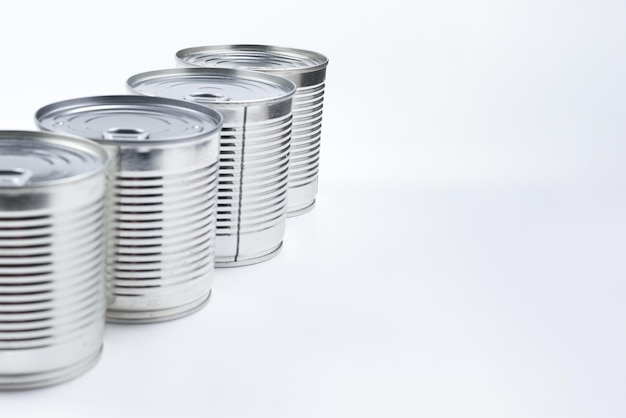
[52,248]
[307,70]
[254,153]
[162,193]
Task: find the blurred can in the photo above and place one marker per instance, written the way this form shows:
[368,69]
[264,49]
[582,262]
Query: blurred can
[307,70]
[254,152]
[162,194]
[52,249]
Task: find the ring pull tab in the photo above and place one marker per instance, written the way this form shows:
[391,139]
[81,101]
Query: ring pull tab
[14,177]
[205,97]
[125,134]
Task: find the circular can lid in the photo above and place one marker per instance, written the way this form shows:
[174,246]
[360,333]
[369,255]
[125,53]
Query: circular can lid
[213,86]
[130,120]
[30,159]
[253,57]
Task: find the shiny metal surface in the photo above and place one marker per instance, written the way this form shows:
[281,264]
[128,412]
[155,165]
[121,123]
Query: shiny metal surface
[163,188]
[52,248]
[307,70]
[254,153]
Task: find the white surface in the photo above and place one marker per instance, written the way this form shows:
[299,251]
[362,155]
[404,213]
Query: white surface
[465,258]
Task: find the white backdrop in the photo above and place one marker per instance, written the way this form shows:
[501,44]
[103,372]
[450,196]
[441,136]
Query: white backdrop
[466,255]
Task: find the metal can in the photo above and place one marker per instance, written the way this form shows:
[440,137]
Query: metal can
[307,70]
[52,248]
[254,153]
[162,194]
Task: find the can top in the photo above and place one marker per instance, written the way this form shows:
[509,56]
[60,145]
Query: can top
[31,159]
[253,57]
[130,120]
[213,86]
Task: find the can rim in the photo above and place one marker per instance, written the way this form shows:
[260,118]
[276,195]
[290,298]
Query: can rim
[323,60]
[112,100]
[134,80]
[82,144]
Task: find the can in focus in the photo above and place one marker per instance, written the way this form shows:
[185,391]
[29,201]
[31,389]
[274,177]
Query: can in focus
[162,194]
[254,152]
[52,250]
[307,70]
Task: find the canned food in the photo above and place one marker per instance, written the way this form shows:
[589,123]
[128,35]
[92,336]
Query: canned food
[307,70]
[162,193]
[254,153]
[52,294]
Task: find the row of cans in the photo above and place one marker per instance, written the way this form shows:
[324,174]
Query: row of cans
[122,206]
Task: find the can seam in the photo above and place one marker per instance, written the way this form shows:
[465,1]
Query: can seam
[241,170]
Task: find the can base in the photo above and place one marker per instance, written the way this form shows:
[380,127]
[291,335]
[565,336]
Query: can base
[271,254]
[49,378]
[161,315]
[291,213]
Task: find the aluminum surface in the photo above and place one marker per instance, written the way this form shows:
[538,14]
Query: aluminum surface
[254,153]
[162,191]
[52,271]
[307,70]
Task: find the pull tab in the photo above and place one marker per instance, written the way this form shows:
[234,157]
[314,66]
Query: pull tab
[204,97]
[125,134]
[14,177]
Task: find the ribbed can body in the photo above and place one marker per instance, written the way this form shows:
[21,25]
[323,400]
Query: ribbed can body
[305,148]
[252,196]
[161,247]
[52,294]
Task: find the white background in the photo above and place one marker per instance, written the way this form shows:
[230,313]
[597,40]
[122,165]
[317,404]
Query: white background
[466,257]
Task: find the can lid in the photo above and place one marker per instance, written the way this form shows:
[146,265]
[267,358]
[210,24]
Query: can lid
[212,86]
[41,158]
[253,57]
[129,119]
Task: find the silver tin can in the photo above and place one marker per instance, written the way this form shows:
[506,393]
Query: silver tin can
[52,248]
[307,70]
[254,154]
[162,194]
